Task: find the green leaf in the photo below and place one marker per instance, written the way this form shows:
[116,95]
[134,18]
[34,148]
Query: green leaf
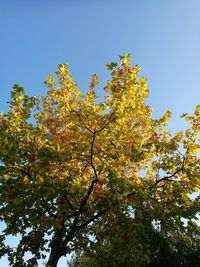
[111,66]
[125,57]
[183,115]
[2,168]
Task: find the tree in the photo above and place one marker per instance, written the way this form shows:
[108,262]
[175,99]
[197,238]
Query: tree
[124,242]
[179,247]
[119,241]
[70,159]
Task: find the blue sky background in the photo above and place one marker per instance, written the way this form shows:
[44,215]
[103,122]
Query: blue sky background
[163,37]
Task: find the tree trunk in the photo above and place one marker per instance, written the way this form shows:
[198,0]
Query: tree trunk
[53,258]
[56,246]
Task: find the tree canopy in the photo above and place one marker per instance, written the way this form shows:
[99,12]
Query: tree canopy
[124,242]
[69,160]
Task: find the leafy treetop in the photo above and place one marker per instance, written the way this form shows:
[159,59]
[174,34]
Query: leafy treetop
[81,158]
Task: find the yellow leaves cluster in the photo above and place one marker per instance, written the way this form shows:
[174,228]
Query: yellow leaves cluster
[50,81]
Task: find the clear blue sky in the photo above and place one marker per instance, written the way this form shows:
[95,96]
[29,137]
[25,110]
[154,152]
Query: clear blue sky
[163,37]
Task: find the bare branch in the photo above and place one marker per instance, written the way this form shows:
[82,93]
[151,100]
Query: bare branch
[167,178]
[89,192]
[108,121]
[82,121]
[68,202]
[91,219]
[90,189]
[26,173]
[51,214]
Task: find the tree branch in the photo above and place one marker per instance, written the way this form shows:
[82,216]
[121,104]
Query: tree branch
[172,175]
[90,189]
[82,121]
[26,173]
[108,121]
[49,211]
[91,219]
[68,202]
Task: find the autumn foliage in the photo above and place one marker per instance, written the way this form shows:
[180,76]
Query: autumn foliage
[68,160]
